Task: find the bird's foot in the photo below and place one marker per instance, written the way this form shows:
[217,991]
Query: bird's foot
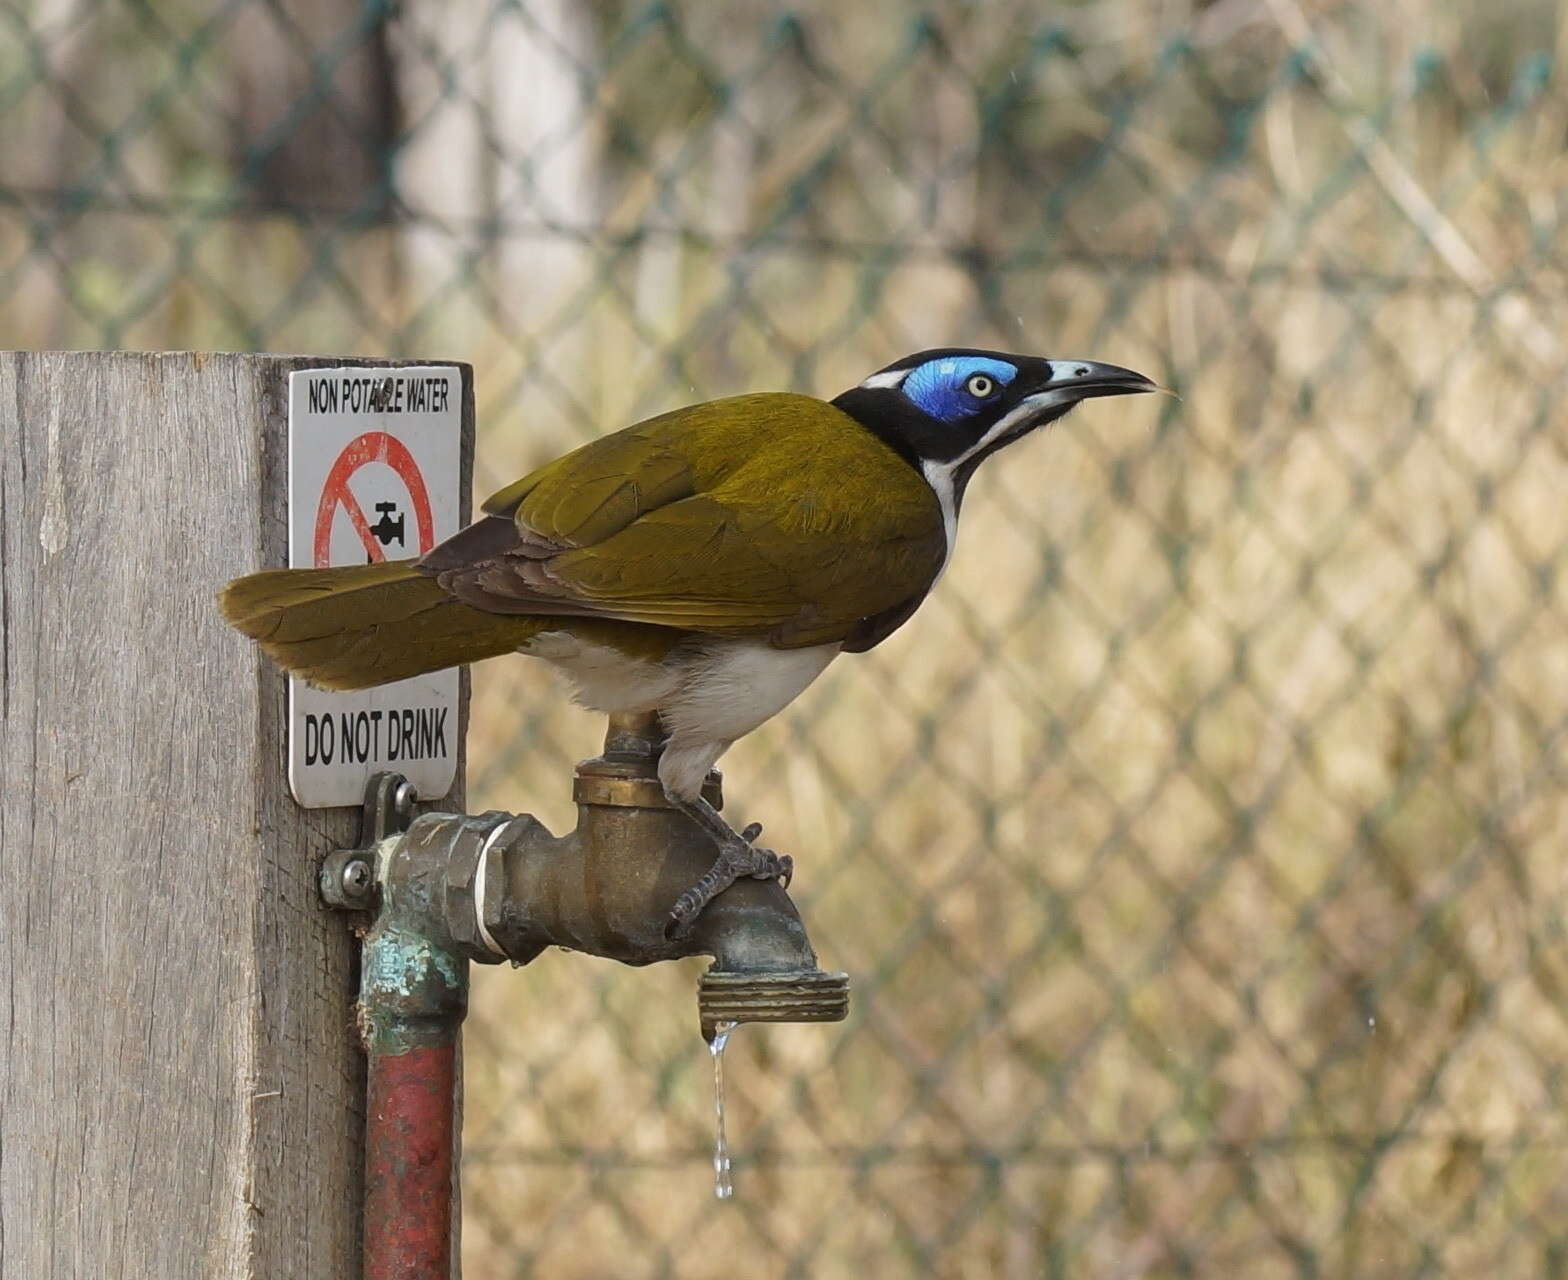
[739,858]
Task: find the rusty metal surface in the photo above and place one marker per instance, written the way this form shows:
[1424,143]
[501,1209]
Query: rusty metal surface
[408,1164]
[413,997]
[412,992]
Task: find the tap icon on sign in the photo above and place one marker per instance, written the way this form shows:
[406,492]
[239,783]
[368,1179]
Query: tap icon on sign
[386,528]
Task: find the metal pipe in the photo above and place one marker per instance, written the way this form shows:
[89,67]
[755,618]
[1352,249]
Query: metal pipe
[449,888]
[413,997]
[409,1141]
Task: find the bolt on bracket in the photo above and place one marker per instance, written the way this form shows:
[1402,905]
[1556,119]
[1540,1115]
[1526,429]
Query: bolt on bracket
[348,876]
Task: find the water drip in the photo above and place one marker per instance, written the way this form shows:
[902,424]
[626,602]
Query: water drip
[723,1186]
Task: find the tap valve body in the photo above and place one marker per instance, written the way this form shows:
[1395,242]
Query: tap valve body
[497,886]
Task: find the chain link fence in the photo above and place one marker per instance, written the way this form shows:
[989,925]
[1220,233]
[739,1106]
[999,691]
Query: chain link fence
[1198,851]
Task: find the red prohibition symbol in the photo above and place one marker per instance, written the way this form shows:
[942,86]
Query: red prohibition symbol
[373,446]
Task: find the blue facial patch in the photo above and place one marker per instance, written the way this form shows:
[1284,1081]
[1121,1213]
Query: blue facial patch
[940,387]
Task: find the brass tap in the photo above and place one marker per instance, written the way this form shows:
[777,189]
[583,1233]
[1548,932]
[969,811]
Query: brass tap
[502,887]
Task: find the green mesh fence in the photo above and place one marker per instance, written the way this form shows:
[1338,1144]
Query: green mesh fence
[1198,850]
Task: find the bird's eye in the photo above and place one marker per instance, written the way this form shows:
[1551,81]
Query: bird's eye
[979,385]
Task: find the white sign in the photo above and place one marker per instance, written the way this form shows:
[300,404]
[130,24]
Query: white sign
[374,475]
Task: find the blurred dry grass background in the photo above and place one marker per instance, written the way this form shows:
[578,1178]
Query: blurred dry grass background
[1198,851]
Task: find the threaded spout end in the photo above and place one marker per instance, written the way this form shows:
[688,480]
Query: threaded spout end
[800,995]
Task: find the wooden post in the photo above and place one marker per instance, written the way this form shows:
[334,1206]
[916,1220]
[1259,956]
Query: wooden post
[181,1091]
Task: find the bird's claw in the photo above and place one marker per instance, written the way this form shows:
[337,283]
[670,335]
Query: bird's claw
[770,865]
[737,860]
[778,866]
[684,912]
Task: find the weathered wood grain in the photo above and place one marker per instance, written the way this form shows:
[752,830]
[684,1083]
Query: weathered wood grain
[180,1089]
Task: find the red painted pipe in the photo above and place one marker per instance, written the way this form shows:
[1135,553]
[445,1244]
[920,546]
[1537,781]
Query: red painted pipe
[408,1164]
[413,993]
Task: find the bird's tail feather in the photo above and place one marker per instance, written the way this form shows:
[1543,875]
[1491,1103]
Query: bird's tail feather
[366,625]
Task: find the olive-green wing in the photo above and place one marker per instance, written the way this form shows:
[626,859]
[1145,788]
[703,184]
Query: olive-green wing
[771,515]
[594,491]
[762,515]
[580,498]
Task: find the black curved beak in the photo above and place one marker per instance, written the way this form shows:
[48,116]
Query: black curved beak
[1084,379]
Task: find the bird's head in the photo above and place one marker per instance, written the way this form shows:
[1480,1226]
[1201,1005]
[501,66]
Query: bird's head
[947,410]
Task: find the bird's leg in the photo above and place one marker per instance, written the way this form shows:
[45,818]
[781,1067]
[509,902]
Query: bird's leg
[738,857]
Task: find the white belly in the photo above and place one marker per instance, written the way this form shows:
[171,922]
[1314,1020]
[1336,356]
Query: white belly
[706,696]
[728,689]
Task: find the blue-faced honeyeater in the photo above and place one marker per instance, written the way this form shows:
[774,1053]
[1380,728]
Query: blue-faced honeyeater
[706,564]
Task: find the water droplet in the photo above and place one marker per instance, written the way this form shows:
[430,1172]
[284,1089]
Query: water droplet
[723,1186]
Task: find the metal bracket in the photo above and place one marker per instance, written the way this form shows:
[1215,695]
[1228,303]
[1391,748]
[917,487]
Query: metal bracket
[348,876]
